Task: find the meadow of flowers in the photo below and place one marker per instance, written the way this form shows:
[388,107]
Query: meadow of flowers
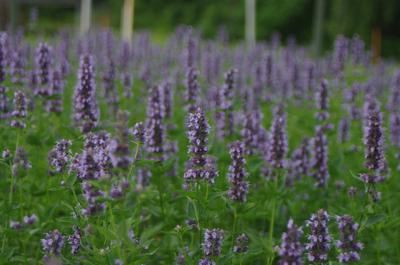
[196,151]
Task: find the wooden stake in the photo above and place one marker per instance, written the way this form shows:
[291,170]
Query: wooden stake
[86,12]
[127,20]
[250,29]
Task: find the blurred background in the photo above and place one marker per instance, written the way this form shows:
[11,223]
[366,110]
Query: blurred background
[376,21]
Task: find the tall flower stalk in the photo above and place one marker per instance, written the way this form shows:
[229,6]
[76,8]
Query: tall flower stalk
[374,154]
[199,167]
[319,159]
[348,245]
[86,112]
[237,173]
[155,129]
[291,250]
[224,114]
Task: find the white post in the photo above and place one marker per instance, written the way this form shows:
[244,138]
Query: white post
[127,20]
[86,10]
[250,30]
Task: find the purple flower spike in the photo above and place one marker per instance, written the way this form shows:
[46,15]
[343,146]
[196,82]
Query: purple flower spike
[192,89]
[138,132]
[3,40]
[343,134]
[373,136]
[199,167]
[291,250]
[251,130]
[278,139]
[92,195]
[242,244]
[86,112]
[52,243]
[56,90]
[17,67]
[15,225]
[348,245]
[120,152]
[212,242]
[395,129]
[224,115]
[167,94]
[206,262]
[237,173]
[322,101]
[59,156]
[20,110]
[43,64]
[155,129]
[301,160]
[75,240]
[110,90]
[30,220]
[319,240]
[319,159]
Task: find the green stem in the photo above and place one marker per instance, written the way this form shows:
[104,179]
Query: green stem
[272,220]
[12,173]
[234,229]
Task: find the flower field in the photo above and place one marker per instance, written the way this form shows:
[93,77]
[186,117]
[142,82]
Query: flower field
[196,151]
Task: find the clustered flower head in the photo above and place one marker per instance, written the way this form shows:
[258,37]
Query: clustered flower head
[86,112]
[319,159]
[199,166]
[52,243]
[322,101]
[344,130]
[251,130]
[86,165]
[54,102]
[59,156]
[319,240]
[224,114]
[373,136]
[43,64]
[167,95]
[348,244]
[138,132]
[120,153]
[20,161]
[20,110]
[110,91]
[17,66]
[278,139]
[237,172]
[374,153]
[300,161]
[192,89]
[155,129]
[75,240]
[28,220]
[290,249]
[350,99]
[211,245]
[92,195]
[394,97]
[395,129]
[94,162]
[3,37]
[189,53]
[241,244]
